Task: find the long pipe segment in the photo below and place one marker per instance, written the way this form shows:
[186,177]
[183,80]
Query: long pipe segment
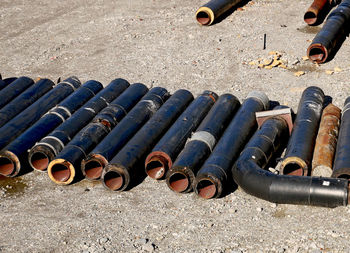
[17,151]
[332,33]
[25,99]
[212,178]
[66,167]
[47,148]
[160,160]
[326,142]
[209,12]
[341,167]
[11,91]
[8,81]
[126,166]
[87,138]
[249,174]
[181,175]
[297,159]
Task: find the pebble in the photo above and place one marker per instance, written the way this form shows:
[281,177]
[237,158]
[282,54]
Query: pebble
[259,209]
[103,240]
[148,247]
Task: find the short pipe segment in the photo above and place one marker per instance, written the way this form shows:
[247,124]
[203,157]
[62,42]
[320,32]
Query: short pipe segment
[312,15]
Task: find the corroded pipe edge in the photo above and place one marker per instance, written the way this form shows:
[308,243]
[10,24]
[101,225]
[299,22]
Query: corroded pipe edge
[115,177]
[208,186]
[294,161]
[158,157]
[67,165]
[93,158]
[9,164]
[317,53]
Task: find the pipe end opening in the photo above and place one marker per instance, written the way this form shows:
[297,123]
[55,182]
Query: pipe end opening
[93,169]
[60,172]
[310,18]
[113,180]
[6,166]
[39,161]
[206,189]
[178,182]
[203,18]
[293,169]
[317,54]
[155,169]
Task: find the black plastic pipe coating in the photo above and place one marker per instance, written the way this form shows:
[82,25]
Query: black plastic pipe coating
[215,173]
[9,92]
[181,175]
[6,81]
[301,144]
[127,165]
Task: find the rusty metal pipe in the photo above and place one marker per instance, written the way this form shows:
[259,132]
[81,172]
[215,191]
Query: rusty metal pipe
[123,169]
[181,175]
[326,142]
[9,92]
[165,152]
[47,148]
[297,159]
[72,156]
[214,175]
[333,33]
[312,15]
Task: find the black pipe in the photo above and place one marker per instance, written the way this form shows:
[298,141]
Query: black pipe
[8,81]
[16,153]
[248,172]
[213,177]
[25,99]
[301,144]
[181,175]
[123,169]
[167,149]
[46,149]
[68,161]
[11,91]
[332,34]
[341,167]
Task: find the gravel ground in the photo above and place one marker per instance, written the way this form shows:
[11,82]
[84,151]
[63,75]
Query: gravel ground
[159,43]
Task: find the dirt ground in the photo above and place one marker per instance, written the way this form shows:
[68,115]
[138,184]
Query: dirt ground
[159,43]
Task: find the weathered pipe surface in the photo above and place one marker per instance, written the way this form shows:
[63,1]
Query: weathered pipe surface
[341,167]
[25,99]
[209,12]
[181,175]
[161,159]
[213,177]
[123,169]
[128,127]
[333,32]
[301,144]
[45,150]
[249,174]
[326,142]
[17,151]
[65,169]
[11,91]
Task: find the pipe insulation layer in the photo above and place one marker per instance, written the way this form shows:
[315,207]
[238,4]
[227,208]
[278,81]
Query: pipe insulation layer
[88,137]
[160,160]
[333,32]
[213,176]
[125,167]
[197,149]
[297,159]
[47,148]
[9,92]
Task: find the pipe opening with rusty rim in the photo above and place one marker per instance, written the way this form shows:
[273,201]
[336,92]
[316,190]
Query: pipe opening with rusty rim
[178,182]
[113,180]
[293,169]
[39,161]
[6,166]
[93,169]
[59,172]
[156,168]
[206,188]
[310,17]
[317,53]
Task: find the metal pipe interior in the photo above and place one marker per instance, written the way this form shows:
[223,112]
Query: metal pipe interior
[6,166]
[178,182]
[60,172]
[93,169]
[113,180]
[206,188]
[155,169]
[39,161]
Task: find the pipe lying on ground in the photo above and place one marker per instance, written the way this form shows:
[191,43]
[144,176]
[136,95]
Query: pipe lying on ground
[17,151]
[47,148]
[333,32]
[66,167]
[209,12]
[249,174]
[213,177]
[181,175]
[301,144]
[165,152]
[9,92]
[314,12]
[126,166]
[326,142]
[25,99]
[341,167]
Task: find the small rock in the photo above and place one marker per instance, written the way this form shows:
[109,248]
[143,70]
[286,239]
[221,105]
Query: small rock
[103,240]
[142,241]
[148,247]
[259,209]
[273,205]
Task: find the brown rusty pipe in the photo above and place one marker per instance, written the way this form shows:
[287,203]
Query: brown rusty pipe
[312,15]
[326,142]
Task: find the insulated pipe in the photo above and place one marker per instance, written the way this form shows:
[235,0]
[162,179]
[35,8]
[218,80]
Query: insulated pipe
[66,167]
[326,142]
[17,151]
[34,112]
[9,92]
[8,81]
[212,178]
[341,167]
[181,175]
[124,168]
[47,148]
[209,12]
[333,32]
[301,144]
[248,172]
[160,160]
[25,99]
